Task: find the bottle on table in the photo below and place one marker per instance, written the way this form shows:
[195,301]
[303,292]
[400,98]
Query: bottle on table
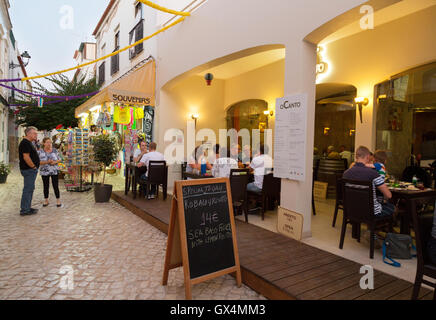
[203,166]
[414,180]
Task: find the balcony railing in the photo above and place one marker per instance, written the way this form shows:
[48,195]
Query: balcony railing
[136,34]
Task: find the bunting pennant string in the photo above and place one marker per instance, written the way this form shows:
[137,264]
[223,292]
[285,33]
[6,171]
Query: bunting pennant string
[146,2]
[108,55]
[63,98]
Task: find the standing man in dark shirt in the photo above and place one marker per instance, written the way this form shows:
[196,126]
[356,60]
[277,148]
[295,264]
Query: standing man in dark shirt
[29,164]
[361,172]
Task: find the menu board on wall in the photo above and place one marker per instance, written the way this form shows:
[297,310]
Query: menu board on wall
[290,137]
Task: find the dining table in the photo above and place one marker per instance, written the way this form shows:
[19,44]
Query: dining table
[401,193]
[132,175]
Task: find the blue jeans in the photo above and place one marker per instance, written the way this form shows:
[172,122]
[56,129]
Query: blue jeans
[152,187]
[29,186]
[253,188]
[387,210]
[431,250]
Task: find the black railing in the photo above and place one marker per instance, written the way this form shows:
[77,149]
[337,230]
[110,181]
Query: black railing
[136,34]
[101,73]
[115,63]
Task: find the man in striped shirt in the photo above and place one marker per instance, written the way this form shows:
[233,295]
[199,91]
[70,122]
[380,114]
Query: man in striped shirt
[360,172]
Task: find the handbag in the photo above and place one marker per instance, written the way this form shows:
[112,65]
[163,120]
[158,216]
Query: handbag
[397,246]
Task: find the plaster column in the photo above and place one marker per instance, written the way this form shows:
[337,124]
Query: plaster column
[300,77]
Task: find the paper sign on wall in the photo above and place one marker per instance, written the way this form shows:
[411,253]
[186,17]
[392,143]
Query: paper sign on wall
[290,137]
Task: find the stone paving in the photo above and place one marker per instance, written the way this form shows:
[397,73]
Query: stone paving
[103,250]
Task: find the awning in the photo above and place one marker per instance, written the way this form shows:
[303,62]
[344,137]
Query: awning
[137,88]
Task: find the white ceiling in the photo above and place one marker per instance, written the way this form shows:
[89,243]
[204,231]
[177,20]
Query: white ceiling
[243,65]
[240,66]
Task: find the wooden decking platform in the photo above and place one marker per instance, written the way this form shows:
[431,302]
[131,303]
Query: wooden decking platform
[281,268]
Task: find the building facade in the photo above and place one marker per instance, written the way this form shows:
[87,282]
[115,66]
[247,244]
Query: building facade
[87,52]
[11,66]
[332,51]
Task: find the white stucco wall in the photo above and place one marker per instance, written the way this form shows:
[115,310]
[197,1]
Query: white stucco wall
[122,18]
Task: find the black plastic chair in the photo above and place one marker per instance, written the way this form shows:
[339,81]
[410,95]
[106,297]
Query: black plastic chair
[420,173]
[270,193]
[359,208]
[422,224]
[157,175]
[339,197]
[238,185]
[184,165]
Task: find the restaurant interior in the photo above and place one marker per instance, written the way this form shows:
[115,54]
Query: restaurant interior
[376,88]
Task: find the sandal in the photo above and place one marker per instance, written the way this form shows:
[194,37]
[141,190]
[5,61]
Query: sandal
[45,205]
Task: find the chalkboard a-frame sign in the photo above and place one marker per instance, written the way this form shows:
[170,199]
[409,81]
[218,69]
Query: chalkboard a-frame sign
[201,234]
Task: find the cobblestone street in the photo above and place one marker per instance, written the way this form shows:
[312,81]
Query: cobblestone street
[113,253]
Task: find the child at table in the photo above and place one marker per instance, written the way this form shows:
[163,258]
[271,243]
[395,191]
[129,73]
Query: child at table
[380,158]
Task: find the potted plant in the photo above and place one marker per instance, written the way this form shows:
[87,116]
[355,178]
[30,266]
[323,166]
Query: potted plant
[4,172]
[105,152]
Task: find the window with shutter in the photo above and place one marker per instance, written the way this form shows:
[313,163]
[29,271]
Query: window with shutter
[135,35]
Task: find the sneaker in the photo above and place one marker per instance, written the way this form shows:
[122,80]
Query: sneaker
[151,196]
[34,210]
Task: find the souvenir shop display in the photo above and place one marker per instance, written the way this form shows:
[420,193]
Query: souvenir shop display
[78,159]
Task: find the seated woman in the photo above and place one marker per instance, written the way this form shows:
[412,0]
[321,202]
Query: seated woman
[194,162]
[431,246]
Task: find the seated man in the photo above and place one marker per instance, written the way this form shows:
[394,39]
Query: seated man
[361,172]
[139,153]
[223,164]
[235,151]
[431,246]
[246,155]
[260,163]
[153,155]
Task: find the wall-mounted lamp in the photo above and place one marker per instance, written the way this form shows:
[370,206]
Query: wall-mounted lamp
[195,117]
[326,131]
[24,55]
[352,132]
[361,101]
[268,113]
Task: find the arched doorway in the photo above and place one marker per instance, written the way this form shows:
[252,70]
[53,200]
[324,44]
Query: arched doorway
[248,114]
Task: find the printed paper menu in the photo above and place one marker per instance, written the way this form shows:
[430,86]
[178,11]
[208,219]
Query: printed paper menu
[290,137]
